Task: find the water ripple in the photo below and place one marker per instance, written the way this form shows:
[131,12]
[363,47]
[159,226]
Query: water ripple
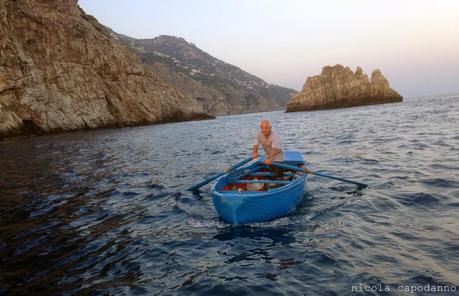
[104,212]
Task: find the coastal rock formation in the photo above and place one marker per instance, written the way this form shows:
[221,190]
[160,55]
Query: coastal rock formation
[221,88]
[339,87]
[62,70]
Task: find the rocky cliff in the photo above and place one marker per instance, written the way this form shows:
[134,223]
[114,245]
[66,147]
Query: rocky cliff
[61,70]
[339,87]
[221,88]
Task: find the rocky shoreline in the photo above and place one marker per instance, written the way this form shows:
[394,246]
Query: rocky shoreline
[28,129]
[60,70]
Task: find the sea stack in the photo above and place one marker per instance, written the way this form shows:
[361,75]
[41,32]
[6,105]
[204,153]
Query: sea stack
[61,70]
[339,87]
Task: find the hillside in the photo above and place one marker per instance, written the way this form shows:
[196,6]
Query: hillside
[221,88]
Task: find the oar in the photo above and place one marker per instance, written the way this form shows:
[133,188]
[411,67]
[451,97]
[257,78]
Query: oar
[199,185]
[307,171]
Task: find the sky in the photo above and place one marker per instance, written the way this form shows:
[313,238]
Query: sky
[414,43]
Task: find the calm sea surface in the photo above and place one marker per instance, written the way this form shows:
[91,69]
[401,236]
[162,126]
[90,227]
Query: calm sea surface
[105,211]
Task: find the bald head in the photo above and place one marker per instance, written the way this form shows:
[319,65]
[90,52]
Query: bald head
[265,127]
[265,123]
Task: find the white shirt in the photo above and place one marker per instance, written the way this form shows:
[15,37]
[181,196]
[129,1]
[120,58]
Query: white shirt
[272,141]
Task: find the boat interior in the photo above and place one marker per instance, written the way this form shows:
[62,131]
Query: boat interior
[259,177]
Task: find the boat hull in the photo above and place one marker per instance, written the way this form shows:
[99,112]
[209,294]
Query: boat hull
[250,207]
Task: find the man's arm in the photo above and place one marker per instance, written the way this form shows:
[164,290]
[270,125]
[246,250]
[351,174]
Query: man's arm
[274,152]
[255,151]
[255,147]
[276,148]
[269,158]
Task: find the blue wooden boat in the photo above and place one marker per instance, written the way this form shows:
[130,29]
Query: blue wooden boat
[236,201]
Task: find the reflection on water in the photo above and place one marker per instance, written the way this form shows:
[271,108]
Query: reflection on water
[105,211]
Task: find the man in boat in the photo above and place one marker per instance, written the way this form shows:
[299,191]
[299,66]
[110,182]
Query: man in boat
[272,145]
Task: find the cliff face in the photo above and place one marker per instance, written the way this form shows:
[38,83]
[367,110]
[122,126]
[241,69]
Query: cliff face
[339,87]
[221,88]
[61,70]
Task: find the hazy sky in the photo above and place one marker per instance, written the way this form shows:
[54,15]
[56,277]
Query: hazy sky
[414,43]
